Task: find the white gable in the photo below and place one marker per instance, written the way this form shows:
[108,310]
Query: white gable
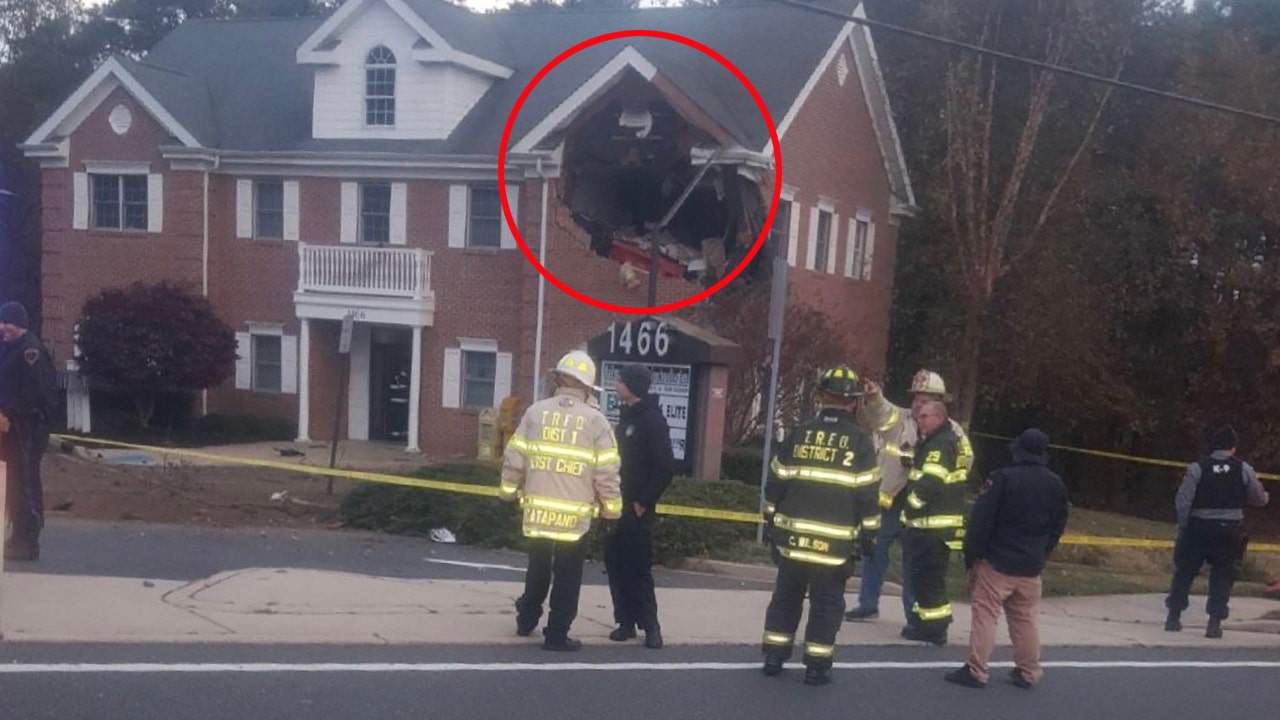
[430,98]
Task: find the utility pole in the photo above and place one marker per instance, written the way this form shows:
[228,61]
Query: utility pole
[777,317]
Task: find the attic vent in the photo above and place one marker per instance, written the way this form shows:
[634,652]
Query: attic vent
[842,69]
[120,119]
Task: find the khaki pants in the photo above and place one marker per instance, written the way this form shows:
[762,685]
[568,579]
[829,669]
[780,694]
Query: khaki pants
[1019,597]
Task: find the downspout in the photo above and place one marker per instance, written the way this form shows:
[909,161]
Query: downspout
[542,288]
[204,273]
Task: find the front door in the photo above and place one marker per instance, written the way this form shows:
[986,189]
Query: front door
[390,358]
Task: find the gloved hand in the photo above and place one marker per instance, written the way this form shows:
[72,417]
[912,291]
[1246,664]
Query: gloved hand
[5,425]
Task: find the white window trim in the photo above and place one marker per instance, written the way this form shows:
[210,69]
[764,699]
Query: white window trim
[395,83]
[477,345]
[264,328]
[254,232]
[121,171]
[116,167]
[824,264]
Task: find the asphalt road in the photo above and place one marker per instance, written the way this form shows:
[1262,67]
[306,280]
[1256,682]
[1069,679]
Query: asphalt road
[53,681]
[186,553]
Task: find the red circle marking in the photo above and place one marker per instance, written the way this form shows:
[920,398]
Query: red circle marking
[773,205]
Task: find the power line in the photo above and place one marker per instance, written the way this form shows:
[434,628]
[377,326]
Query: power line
[1030,62]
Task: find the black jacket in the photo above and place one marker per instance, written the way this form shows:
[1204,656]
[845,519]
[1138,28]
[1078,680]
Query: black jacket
[935,485]
[644,441]
[823,490]
[1017,519]
[28,380]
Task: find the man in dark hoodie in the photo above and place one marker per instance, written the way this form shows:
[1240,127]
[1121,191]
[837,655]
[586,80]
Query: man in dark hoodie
[1016,522]
[644,441]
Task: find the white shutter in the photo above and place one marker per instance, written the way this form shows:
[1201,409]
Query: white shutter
[851,249]
[292,214]
[869,253]
[833,243]
[452,378]
[793,236]
[350,208]
[457,216]
[502,378]
[513,199]
[80,201]
[289,364]
[155,203]
[244,361]
[399,193]
[811,251]
[244,208]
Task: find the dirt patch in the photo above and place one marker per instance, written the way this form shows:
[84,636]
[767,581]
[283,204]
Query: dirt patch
[80,488]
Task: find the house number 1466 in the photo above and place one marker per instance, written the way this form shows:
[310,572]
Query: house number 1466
[648,337]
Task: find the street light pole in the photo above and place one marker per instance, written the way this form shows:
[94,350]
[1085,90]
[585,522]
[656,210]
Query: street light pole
[777,318]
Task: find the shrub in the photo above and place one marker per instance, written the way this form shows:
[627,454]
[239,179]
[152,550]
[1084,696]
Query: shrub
[743,464]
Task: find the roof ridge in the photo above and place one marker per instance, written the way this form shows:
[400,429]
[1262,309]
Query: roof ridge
[161,68]
[264,19]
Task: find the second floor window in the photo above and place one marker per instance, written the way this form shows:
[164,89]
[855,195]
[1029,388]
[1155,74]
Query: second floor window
[486,217]
[119,202]
[268,211]
[380,88]
[375,212]
[823,252]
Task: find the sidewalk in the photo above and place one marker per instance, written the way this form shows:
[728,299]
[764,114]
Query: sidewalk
[282,605]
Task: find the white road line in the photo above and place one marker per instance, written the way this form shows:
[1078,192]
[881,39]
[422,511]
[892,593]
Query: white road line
[33,668]
[481,566]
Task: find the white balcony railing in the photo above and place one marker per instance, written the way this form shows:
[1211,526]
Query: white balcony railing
[356,270]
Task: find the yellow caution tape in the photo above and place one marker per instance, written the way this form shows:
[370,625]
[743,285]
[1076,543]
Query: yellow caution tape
[492,491]
[1120,456]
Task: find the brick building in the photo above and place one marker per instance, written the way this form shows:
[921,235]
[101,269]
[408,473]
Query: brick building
[296,171]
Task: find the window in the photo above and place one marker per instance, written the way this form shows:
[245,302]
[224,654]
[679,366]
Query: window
[120,202]
[267,365]
[858,266]
[823,252]
[380,88]
[375,212]
[781,231]
[485,221]
[479,378]
[268,209]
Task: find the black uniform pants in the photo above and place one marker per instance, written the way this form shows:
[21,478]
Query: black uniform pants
[554,566]
[929,555]
[825,587]
[1213,541]
[628,560]
[23,449]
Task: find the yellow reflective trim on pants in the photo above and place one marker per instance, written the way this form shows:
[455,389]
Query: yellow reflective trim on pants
[819,651]
[552,535]
[557,505]
[914,500]
[773,638]
[784,472]
[840,532]
[815,558]
[935,522]
[942,612]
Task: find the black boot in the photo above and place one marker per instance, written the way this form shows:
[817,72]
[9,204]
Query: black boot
[814,675]
[963,676]
[1173,623]
[525,622]
[1214,629]
[561,643]
[773,664]
[860,614]
[623,632]
[653,638]
[920,634]
[23,552]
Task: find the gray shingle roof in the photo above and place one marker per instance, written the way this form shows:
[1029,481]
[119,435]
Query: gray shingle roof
[236,86]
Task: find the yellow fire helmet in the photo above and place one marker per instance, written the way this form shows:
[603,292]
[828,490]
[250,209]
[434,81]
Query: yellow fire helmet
[928,382]
[579,366]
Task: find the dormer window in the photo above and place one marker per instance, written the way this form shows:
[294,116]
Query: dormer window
[380,88]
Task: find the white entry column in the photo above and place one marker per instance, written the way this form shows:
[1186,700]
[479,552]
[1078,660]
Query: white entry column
[304,381]
[415,389]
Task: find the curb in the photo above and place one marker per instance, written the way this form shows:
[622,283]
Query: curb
[757,573]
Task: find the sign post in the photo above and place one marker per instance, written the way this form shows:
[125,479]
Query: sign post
[777,317]
[344,349]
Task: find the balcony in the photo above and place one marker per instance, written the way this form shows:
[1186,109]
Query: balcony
[375,284]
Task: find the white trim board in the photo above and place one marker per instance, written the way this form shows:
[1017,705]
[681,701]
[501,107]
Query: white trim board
[88,96]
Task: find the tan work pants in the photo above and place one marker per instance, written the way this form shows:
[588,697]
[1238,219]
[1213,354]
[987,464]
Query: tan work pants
[990,591]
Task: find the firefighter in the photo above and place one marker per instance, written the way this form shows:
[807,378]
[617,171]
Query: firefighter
[821,513]
[933,515]
[1210,506]
[896,434]
[562,466]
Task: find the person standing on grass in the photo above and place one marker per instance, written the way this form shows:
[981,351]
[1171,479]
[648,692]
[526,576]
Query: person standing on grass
[1016,522]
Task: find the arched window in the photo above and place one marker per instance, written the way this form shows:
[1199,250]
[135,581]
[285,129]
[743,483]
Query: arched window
[380,87]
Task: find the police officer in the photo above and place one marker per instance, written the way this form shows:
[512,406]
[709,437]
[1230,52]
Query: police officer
[933,515]
[1210,507]
[562,465]
[821,509]
[28,400]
